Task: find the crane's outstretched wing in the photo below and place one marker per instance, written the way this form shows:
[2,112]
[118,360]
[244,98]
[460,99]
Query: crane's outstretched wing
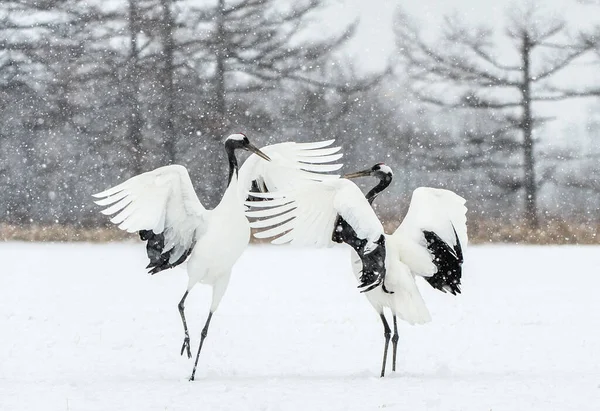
[291,163]
[433,236]
[163,207]
[309,216]
[306,215]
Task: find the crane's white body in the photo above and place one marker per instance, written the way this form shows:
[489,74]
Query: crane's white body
[404,299]
[407,256]
[226,234]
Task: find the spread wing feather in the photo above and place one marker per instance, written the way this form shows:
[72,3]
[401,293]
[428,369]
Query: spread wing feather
[433,236]
[160,204]
[312,210]
[291,163]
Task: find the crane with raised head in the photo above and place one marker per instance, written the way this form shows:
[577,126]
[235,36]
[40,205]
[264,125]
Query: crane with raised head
[162,206]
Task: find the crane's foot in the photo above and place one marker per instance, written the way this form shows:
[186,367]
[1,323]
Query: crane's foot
[186,347]
[191,378]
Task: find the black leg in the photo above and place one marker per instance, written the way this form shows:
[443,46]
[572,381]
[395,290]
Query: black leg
[204,333]
[386,333]
[186,340]
[394,344]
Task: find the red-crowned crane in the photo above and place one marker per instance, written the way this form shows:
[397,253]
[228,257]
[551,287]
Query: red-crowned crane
[429,242]
[163,207]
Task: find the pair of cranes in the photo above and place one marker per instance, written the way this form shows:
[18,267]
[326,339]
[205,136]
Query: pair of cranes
[300,204]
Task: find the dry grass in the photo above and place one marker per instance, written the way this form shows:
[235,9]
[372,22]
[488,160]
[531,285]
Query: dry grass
[550,232]
[59,233]
[480,232]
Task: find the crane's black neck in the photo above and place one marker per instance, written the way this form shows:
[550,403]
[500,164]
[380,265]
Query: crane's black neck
[382,185]
[233,164]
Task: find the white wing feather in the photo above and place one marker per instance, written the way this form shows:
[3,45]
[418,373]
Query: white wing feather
[430,209]
[162,200]
[307,214]
[291,163]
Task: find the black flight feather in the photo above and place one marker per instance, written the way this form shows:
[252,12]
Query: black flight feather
[373,271]
[448,261]
[159,260]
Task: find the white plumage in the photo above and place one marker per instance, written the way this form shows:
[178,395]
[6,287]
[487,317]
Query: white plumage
[310,212]
[164,208]
[407,254]
[431,209]
[291,164]
[163,201]
[429,240]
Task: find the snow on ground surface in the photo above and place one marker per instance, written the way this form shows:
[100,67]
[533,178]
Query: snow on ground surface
[84,328]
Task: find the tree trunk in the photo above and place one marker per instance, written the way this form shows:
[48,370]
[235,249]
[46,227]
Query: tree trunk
[220,56]
[167,27]
[135,121]
[528,145]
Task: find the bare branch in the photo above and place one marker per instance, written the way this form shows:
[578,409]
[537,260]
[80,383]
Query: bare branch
[557,66]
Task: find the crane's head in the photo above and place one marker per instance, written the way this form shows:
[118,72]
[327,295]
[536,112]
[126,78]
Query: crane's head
[379,171]
[240,141]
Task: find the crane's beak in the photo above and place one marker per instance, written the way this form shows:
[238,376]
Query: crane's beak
[256,151]
[363,173]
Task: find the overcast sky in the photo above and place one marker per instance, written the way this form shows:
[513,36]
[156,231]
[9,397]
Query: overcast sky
[375,40]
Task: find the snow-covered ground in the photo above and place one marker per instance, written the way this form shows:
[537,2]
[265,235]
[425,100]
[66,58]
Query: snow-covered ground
[82,327]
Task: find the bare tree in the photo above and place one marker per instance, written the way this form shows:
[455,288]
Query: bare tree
[246,53]
[90,94]
[255,45]
[167,74]
[468,69]
[35,53]
[133,82]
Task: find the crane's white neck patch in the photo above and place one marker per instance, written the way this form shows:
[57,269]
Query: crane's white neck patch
[386,169]
[236,137]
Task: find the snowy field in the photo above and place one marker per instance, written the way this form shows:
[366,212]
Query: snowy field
[84,328]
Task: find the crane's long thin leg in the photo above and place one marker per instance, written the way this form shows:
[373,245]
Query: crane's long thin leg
[394,344]
[186,340]
[386,333]
[204,333]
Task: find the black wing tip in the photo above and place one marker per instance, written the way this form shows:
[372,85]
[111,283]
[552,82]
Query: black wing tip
[458,246]
[159,260]
[379,281]
[156,270]
[453,289]
[446,283]
[374,270]
[448,261]
[373,262]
